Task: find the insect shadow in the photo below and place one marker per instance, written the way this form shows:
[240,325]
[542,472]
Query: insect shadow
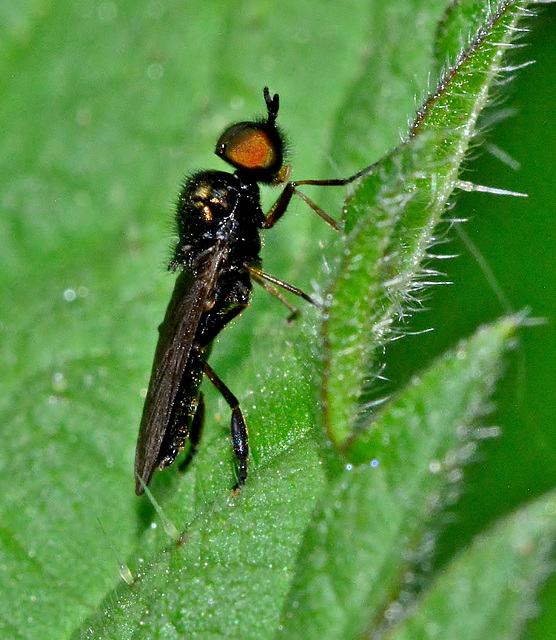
[219,219]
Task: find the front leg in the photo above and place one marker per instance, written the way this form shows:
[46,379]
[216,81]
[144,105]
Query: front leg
[279,207]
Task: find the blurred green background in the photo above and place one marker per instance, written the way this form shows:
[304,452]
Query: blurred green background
[104,105]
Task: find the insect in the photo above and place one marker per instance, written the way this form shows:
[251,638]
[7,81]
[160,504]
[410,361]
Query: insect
[219,218]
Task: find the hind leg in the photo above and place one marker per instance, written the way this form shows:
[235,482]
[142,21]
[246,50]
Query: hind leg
[195,432]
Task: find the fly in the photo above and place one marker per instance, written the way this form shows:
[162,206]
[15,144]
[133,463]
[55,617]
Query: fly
[219,218]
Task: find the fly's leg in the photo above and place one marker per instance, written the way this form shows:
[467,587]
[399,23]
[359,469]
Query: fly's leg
[195,432]
[238,428]
[279,207]
[231,301]
[210,332]
[263,279]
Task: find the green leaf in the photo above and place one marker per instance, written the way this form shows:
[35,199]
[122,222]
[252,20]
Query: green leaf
[231,569]
[104,106]
[392,218]
[375,520]
[492,585]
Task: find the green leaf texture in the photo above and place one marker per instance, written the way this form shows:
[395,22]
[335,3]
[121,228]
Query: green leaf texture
[104,106]
[376,519]
[392,219]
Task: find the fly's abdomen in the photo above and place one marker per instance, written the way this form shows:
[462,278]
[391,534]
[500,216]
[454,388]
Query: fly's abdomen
[183,411]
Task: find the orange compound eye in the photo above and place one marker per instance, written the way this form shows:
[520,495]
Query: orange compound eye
[251,150]
[249,146]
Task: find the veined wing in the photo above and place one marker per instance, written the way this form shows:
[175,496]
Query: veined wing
[190,298]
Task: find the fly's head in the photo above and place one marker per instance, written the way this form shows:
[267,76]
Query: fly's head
[256,148]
